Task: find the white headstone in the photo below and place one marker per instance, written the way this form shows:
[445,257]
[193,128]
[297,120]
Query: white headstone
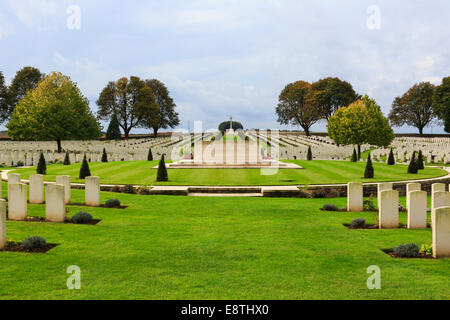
[2,223]
[65,181]
[411,187]
[388,209]
[55,208]
[92,191]
[441,232]
[354,197]
[417,209]
[17,201]
[36,188]
[381,187]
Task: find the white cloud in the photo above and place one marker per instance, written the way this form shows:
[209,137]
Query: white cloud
[35,13]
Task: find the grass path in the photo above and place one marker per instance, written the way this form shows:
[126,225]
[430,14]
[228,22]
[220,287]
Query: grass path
[314,172]
[164,247]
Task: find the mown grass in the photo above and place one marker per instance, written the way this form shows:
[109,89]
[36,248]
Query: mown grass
[314,172]
[164,247]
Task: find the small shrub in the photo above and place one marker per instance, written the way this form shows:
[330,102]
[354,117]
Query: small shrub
[331,193]
[116,189]
[162,171]
[84,170]
[82,218]
[67,159]
[368,205]
[358,223]
[143,191]
[304,194]
[42,166]
[319,193]
[112,203]
[330,207]
[391,159]
[426,249]
[354,156]
[309,156]
[368,172]
[412,168]
[34,242]
[420,164]
[19,163]
[150,155]
[408,250]
[104,156]
[128,189]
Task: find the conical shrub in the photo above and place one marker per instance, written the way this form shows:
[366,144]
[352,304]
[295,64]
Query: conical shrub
[104,156]
[150,155]
[309,156]
[420,164]
[42,165]
[84,170]
[368,172]
[354,156]
[67,159]
[162,170]
[391,159]
[412,168]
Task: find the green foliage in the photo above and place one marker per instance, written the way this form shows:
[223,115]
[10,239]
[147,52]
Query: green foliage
[113,131]
[359,223]
[143,191]
[113,203]
[150,155]
[412,168]
[408,250]
[420,164]
[309,156]
[354,156]
[330,207]
[441,102]
[296,108]
[131,100]
[369,205]
[414,108]
[82,218]
[360,123]
[368,172]
[391,159]
[4,112]
[34,242]
[67,159]
[84,170]
[42,166]
[167,116]
[128,188]
[55,110]
[426,249]
[224,126]
[104,156]
[162,170]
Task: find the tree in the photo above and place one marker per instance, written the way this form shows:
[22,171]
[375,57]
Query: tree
[25,79]
[309,156]
[420,164]
[391,159]
[54,110]
[84,170]
[67,159]
[330,94]
[104,156]
[162,171]
[354,156]
[295,107]
[167,117]
[42,166]
[414,108]
[131,100]
[113,132]
[150,155]
[362,122]
[3,98]
[368,172]
[441,102]
[224,126]
[412,167]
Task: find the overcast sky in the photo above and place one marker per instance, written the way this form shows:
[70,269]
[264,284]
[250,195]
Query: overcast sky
[222,58]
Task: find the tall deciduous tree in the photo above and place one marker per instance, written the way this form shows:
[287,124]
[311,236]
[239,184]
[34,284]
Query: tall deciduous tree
[441,102]
[3,98]
[295,108]
[360,123]
[25,79]
[414,108]
[167,117]
[113,132]
[130,99]
[54,110]
[330,94]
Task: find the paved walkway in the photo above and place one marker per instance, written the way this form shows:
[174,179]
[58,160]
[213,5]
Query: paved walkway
[221,191]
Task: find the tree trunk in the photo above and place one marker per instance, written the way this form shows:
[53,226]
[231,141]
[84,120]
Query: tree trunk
[155,132]
[307,133]
[127,133]
[359,151]
[58,141]
[420,130]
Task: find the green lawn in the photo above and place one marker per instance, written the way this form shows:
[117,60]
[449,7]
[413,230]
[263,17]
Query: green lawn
[164,247]
[314,172]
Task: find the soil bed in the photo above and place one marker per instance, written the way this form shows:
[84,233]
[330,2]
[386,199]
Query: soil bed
[17,247]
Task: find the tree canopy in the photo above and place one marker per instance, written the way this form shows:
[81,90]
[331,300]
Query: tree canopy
[330,94]
[3,97]
[414,108]
[167,117]
[113,131]
[441,102]
[295,107]
[360,123]
[131,100]
[54,110]
[25,79]
[224,126]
